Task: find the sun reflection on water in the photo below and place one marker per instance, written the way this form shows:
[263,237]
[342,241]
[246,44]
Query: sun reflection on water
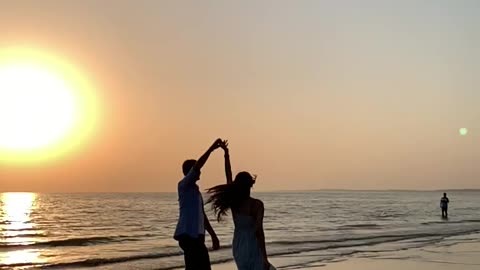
[15,211]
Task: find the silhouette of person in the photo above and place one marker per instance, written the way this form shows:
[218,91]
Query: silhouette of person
[192,222]
[248,245]
[444,205]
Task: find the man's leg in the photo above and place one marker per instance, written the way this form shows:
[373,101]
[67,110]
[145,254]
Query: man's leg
[195,253]
[203,258]
[188,246]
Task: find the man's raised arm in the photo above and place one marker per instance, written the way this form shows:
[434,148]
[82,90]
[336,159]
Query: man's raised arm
[203,159]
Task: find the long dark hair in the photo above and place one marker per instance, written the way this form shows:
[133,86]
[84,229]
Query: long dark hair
[224,197]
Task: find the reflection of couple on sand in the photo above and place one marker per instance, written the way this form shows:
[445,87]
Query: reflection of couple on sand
[248,245]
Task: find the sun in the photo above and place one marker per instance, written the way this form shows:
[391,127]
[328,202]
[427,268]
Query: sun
[36,107]
[46,106]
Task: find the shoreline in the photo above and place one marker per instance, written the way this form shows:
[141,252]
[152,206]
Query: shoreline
[457,252]
[458,256]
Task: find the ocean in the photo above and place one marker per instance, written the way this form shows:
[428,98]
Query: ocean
[134,230]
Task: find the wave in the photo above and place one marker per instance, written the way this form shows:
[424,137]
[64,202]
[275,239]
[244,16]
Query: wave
[73,242]
[106,261]
[368,239]
[358,226]
[282,248]
[20,229]
[451,222]
[24,235]
[19,265]
[103,261]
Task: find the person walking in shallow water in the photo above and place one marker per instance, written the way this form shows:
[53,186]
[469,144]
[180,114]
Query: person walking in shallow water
[444,205]
[192,222]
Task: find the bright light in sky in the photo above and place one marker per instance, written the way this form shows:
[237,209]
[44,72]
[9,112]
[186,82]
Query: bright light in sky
[45,105]
[463,131]
[37,107]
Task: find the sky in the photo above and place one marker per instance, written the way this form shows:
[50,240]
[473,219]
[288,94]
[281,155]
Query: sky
[310,94]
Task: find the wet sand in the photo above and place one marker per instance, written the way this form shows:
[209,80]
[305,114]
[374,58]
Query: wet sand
[463,256]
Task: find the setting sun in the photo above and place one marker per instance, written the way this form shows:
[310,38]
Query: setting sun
[33,101]
[46,106]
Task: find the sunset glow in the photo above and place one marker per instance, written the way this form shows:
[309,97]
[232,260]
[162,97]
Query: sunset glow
[46,106]
[310,94]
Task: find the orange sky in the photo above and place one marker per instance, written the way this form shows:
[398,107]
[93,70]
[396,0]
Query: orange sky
[310,94]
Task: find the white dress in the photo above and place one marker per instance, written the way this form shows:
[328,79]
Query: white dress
[246,251]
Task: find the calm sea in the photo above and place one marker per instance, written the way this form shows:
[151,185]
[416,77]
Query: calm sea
[134,231]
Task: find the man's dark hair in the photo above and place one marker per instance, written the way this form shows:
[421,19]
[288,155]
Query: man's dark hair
[187,165]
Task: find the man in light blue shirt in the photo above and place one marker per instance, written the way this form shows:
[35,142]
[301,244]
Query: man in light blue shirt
[192,222]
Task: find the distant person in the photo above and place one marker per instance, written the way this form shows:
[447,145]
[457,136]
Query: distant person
[248,246]
[190,231]
[444,205]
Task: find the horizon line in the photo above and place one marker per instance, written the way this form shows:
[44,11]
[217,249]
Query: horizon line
[261,191]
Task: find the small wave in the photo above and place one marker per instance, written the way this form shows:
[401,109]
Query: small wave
[102,261]
[451,222]
[299,246]
[19,229]
[294,247]
[276,248]
[19,265]
[67,242]
[106,261]
[387,215]
[356,226]
[24,235]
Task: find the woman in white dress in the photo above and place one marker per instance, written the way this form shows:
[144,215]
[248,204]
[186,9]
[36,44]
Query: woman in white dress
[248,245]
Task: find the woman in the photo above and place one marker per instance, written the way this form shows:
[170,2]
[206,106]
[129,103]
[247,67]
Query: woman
[248,245]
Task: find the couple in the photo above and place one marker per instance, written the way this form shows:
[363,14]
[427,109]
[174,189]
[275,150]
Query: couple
[248,241]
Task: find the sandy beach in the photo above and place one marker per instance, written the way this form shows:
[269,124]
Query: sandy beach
[463,256]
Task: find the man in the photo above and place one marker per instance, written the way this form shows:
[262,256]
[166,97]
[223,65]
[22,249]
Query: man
[444,205]
[190,231]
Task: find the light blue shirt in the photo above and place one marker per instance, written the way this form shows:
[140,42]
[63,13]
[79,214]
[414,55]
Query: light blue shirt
[191,219]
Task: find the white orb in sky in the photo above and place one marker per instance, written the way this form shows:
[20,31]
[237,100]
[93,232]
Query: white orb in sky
[46,106]
[463,131]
